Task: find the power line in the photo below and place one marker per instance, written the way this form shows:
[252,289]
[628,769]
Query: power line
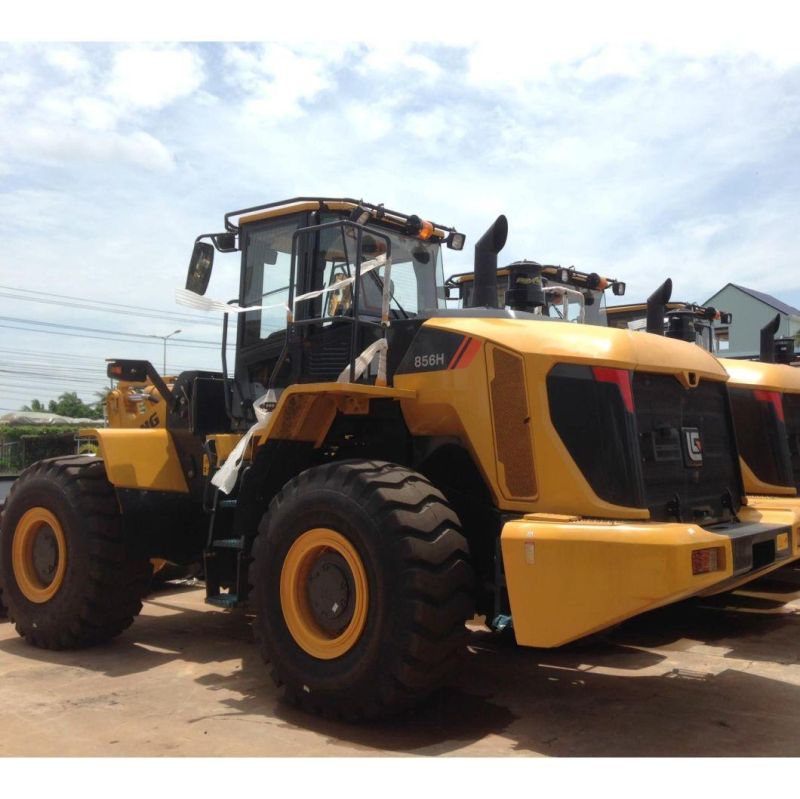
[115,311]
[60,325]
[138,337]
[84,303]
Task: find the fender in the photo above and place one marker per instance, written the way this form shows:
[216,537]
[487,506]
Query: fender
[145,459]
[305,411]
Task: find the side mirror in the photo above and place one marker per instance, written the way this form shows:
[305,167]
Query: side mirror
[618,288]
[200,267]
[452,292]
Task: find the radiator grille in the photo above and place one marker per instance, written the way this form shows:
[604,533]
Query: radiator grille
[512,433]
[678,483]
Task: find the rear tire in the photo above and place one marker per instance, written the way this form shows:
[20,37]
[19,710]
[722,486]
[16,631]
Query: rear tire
[67,576]
[362,586]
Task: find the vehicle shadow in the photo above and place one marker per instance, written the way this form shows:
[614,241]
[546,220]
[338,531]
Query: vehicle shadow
[607,696]
[760,622]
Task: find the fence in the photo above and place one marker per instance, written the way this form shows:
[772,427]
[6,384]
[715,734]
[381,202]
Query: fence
[17,455]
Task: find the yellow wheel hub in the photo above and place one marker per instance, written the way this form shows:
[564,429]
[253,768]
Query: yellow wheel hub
[39,555]
[324,594]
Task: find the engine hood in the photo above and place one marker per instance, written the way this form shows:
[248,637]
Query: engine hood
[755,374]
[566,342]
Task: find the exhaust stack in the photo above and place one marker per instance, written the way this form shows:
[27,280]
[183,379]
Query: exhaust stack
[486,249]
[768,332]
[656,304]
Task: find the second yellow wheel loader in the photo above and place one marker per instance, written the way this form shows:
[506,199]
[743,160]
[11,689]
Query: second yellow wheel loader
[765,397]
[376,468]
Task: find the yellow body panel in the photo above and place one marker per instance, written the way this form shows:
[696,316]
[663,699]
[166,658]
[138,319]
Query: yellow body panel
[568,577]
[767,376]
[305,411]
[568,580]
[144,459]
[456,402]
[753,486]
[137,405]
[225,443]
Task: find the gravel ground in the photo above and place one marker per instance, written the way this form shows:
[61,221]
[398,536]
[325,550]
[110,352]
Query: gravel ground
[712,677]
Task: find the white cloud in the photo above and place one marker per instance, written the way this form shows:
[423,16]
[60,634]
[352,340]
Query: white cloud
[398,58]
[434,126]
[68,59]
[153,77]
[278,80]
[80,146]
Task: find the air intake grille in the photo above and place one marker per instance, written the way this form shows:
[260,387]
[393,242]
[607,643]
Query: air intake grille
[512,433]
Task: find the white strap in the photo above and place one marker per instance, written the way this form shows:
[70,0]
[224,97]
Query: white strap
[192,300]
[365,359]
[367,266]
[225,478]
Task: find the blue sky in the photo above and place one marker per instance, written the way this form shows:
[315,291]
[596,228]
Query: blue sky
[640,153]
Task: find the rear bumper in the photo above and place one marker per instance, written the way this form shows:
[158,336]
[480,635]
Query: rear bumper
[567,578]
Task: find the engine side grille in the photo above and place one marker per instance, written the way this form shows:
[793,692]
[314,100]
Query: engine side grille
[688,451]
[512,432]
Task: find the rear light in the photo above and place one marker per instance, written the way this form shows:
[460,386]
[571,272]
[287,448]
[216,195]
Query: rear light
[708,560]
[773,398]
[621,377]
[782,542]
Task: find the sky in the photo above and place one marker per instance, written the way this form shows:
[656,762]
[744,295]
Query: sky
[640,147]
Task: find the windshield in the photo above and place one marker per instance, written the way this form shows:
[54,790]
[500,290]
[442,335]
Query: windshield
[326,259]
[416,275]
[587,306]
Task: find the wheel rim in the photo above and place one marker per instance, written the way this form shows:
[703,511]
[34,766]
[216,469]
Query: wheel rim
[324,595]
[39,555]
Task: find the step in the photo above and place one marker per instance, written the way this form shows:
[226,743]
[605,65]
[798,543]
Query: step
[227,543]
[223,600]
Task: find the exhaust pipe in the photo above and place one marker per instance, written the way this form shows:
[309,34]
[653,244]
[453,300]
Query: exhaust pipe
[767,354]
[486,249]
[656,304]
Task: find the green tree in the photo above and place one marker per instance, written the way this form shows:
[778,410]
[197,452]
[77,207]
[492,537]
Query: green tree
[70,404]
[67,404]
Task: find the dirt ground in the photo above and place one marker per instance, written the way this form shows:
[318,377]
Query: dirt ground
[708,677]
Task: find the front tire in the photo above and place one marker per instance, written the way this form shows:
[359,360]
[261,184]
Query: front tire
[67,575]
[362,586]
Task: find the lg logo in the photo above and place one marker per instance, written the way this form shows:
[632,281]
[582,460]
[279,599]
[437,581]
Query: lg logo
[692,446]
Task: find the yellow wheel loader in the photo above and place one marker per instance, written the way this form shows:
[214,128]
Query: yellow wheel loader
[376,468]
[768,443]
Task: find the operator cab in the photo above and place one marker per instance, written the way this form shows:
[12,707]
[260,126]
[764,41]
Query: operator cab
[685,321]
[325,280]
